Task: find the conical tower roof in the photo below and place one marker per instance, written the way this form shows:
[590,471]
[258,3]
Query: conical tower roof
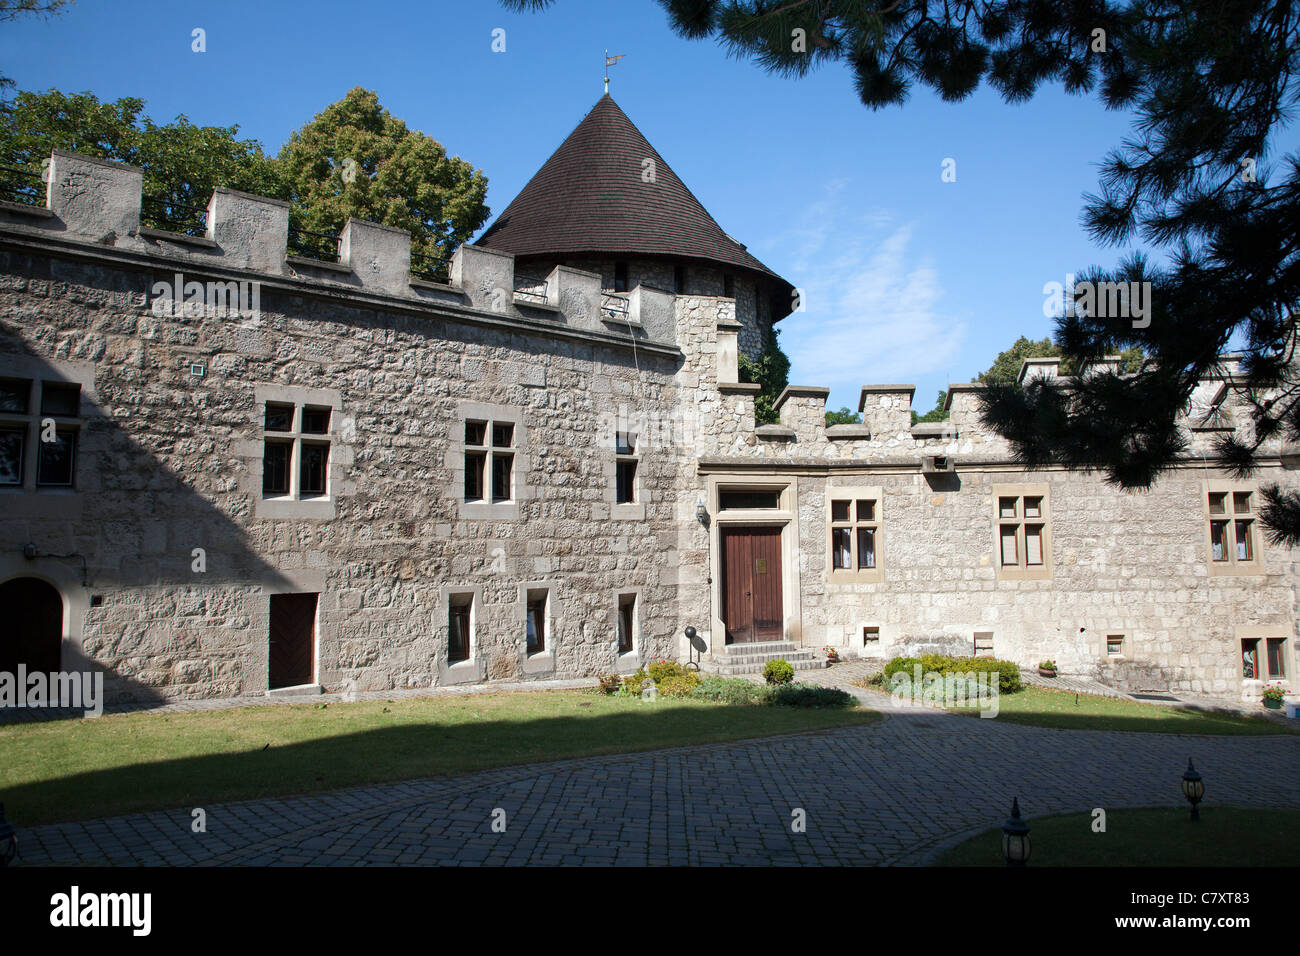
[590,198]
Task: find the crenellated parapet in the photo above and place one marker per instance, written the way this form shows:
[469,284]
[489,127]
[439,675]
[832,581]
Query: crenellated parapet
[98,202]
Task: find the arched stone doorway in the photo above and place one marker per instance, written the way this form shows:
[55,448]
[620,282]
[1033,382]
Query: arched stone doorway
[32,633]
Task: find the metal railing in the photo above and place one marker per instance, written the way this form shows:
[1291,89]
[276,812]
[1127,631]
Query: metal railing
[313,245]
[614,306]
[174,216]
[531,287]
[23,185]
[430,268]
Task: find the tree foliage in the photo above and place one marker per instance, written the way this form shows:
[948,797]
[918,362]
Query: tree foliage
[771,370]
[845,416]
[355,159]
[936,414]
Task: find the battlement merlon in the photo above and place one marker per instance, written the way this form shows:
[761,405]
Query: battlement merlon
[97,201]
[887,409]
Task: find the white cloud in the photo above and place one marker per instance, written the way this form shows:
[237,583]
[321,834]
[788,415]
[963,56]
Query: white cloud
[871,305]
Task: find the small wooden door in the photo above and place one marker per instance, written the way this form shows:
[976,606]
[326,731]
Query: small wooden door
[293,640]
[751,584]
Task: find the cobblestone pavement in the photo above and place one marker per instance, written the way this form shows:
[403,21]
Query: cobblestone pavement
[895,792]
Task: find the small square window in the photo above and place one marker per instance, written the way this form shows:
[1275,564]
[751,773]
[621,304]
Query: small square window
[1218,503]
[1241,502]
[840,511]
[870,635]
[503,435]
[1114,645]
[316,421]
[1033,507]
[14,395]
[54,460]
[279,418]
[1007,507]
[59,398]
[475,433]
[866,510]
[625,443]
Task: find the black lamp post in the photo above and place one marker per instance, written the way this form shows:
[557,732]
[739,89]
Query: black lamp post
[8,839]
[1193,788]
[1015,837]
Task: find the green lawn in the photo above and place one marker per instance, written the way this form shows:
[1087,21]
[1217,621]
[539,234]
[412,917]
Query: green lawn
[1161,836]
[1041,707]
[78,769]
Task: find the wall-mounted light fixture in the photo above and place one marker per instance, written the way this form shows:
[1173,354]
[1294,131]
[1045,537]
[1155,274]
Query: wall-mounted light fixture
[701,512]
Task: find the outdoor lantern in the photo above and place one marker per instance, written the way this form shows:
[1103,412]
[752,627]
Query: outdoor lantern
[1193,788]
[8,839]
[701,512]
[1015,837]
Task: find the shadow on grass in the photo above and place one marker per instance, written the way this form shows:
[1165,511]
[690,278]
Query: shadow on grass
[113,765]
[1154,836]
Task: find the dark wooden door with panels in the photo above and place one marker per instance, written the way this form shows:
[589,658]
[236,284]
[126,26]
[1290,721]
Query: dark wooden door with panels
[752,608]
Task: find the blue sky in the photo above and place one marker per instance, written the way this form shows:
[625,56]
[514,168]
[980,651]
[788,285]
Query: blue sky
[906,278]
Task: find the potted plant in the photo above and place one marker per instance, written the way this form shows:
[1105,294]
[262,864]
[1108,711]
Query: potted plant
[1047,668]
[1274,694]
[832,655]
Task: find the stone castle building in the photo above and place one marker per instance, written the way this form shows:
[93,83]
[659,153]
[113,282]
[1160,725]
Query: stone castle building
[229,469]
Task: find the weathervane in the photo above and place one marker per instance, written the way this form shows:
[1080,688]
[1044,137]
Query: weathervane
[610,61]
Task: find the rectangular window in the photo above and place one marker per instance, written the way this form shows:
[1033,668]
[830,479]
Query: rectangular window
[536,622]
[458,627]
[1276,658]
[626,479]
[626,622]
[60,398]
[870,635]
[13,445]
[311,476]
[15,394]
[1114,645]
[501,466]
[620,277]
[1022,531]
[475,461]
[855,530]
[1250,659]
[295,466]
[54,460]
[1232,518]
[625,467]
[489,461]
[983,643]
[735,500]
[275,467]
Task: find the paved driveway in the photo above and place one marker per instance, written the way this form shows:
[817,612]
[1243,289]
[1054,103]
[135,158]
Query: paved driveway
[895,792]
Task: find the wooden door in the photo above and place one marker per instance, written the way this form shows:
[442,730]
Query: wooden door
[751,584]
[293,640]
[32,611]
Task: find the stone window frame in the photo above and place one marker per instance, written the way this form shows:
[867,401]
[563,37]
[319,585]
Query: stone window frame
[631,657]
[1123,654]
[1232,566]
[471,669]
[543,661]
[1022,571]
[1263,633]
[628,510]
[340,451]
[855,493]
[488,510]
[37,373]
[975,643]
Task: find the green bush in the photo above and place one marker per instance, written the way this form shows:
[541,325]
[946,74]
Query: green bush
[1008,673]
[778,671]
[672,679]
[809,695]
[731,690]
[610,683]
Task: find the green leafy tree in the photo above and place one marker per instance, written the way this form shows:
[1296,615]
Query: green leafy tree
[1210,84]
[936,414]
[355,159]
[182,162]
[771,370]
[845,416]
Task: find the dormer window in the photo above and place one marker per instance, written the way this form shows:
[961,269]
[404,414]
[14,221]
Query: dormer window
[620,277]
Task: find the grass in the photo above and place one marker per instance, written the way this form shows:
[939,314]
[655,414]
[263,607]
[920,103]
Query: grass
[1160,836]
[1042,707]
[79,769]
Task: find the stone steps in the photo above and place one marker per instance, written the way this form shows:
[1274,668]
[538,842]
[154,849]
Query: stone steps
[740,659]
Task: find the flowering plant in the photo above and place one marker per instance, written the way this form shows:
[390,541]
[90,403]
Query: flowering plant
[832,654]
[1274,692]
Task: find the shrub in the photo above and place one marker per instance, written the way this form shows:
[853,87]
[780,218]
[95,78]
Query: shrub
[809,695]
[671,678]
[1275,692]
[731,690]
[610,683]
[1008,673]
[778,671]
